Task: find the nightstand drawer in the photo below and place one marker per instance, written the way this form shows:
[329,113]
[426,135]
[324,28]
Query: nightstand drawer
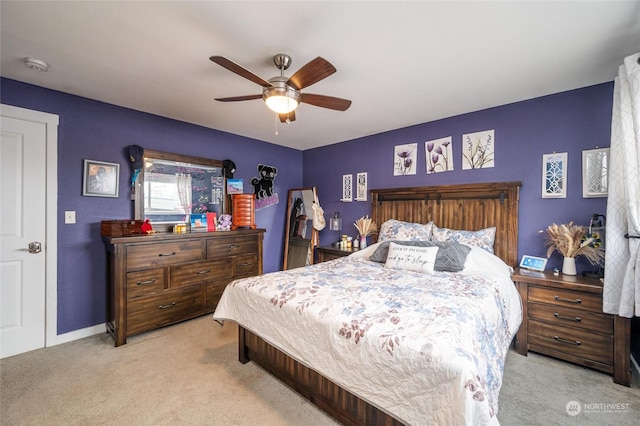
[561,316]
[568,298]
[581,343]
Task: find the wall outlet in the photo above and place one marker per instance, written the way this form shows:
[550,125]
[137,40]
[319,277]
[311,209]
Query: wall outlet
[69,217]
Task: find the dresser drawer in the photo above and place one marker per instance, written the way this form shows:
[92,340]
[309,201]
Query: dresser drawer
[232,246]
[561,316]
[214,293]
[568,298]
[164,254]
[246,266]
[200,272]
[581,343]
[169,306]
[145,282]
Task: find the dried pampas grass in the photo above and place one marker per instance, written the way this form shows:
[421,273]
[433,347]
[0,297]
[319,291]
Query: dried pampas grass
[366,226]
[570,241]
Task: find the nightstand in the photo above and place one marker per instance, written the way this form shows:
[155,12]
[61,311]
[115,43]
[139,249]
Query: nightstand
[562,317]
[327,253]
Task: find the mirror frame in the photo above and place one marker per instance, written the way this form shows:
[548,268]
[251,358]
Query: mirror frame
[312,242]
[187,161]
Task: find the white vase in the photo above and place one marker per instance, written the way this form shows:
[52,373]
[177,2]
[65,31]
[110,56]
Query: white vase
[569,266]
[363,242]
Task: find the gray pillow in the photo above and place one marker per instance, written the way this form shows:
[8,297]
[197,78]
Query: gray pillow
[450,258]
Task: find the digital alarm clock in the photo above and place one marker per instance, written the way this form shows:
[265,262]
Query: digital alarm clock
[532,262]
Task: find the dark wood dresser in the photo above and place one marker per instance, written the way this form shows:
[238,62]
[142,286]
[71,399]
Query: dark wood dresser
[161,279]
[563,318]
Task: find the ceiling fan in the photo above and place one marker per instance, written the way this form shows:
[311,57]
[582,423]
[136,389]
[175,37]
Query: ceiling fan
[283,95]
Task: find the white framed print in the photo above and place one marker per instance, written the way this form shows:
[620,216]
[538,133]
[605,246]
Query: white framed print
[554,175]
[595,173]
[100,179]
[361,186]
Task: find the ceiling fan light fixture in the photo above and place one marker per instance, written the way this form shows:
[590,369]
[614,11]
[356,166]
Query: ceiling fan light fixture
[281,104]
[280,97]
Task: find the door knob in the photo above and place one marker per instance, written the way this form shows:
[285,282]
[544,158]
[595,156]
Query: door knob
[35,247]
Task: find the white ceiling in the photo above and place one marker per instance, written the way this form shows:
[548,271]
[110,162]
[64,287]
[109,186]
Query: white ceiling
[401,63]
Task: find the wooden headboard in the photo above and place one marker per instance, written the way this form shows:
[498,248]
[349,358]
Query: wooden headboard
[467,206]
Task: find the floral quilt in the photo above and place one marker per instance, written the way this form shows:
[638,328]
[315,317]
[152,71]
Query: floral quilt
[427,349]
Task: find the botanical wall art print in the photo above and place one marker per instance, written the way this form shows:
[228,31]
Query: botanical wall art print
[595,173]
[404,159]
[439,155]
[554,175]
[478,150]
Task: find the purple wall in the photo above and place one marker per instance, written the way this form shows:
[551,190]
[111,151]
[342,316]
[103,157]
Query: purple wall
[94,130]
[524,131]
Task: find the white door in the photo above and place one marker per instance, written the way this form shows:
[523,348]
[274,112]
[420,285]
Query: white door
[22,235]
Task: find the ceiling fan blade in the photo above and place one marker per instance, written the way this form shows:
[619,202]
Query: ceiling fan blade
[291,116]
[241,71]
[312,72]
[326,101]
[239,98]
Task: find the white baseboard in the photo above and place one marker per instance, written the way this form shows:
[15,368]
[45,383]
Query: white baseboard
[79,334]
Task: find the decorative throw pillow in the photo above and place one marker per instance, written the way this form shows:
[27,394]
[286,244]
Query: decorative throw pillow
[451,257]
[484,238]
[411,258]
[394,229]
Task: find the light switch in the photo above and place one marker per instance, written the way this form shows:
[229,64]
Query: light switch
[69,216]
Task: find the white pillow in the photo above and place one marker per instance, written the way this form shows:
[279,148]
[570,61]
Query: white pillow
[411,258]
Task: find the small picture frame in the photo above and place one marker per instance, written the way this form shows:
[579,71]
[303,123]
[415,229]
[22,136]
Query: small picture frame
[361,186]
[554,175]
[100,179]
[595,173]
[347,188]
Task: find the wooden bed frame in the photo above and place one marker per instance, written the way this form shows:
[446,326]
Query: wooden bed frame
[467,206]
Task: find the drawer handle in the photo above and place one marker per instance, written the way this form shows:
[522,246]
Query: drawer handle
[244,265]
[233,246]
[173,253]
[203,272]
[170,305]
[568,342]
[146,282]
[576,319]
[560,299]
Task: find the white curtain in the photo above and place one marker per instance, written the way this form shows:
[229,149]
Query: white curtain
[183,181]
[621,294]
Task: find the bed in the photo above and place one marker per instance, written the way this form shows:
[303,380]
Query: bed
[378,342]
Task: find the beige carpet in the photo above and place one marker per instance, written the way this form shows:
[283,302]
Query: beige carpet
[188,374]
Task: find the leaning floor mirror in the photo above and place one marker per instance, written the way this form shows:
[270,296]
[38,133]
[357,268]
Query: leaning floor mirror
[300,236]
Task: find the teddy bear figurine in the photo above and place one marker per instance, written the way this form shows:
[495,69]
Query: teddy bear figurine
[224,223]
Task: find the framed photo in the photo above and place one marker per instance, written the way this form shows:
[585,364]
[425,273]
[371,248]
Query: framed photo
[595,173]
[100,179]
[554,175]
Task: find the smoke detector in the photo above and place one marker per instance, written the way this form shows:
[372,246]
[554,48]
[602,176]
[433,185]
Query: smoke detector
[36,64]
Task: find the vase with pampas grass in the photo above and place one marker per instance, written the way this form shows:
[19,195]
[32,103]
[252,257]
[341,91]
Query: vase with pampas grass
[571,241]
[365,227]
